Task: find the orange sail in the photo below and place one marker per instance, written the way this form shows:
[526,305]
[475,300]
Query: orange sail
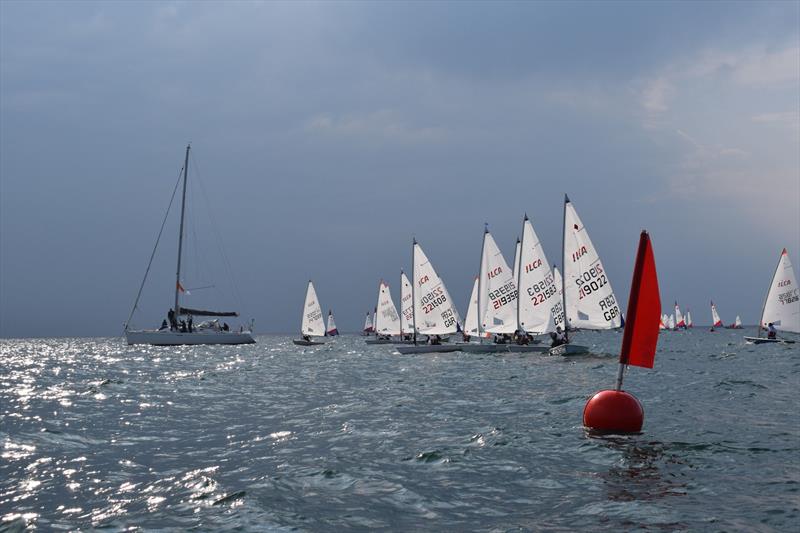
[644,310]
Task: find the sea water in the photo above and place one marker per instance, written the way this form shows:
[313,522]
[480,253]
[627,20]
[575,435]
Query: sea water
[97,434]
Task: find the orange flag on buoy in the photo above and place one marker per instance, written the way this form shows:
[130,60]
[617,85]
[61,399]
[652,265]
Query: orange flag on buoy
[644,310]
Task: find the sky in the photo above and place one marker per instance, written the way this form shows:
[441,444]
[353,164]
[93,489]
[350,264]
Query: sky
[326,135]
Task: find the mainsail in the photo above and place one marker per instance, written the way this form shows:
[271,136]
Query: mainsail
[689,322]
[590,301]
[737,324]
[497,291]
[538,287]
[434,313]
[406,305]
[782,306]
[313,323]
[387,321]
[368,328]
[716,321]
[671,322]
[471,322]
[331,330]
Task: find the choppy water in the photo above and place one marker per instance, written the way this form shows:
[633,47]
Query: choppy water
[96,434]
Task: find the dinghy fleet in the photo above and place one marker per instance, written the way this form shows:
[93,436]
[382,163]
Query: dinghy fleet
[529,306]
[520,308]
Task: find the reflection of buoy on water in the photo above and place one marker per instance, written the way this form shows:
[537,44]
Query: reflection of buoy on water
[617,411]
[613,411]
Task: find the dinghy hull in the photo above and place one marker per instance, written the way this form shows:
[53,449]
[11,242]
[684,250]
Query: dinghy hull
[428,348]
[764,340]
[568,350]
[307,343]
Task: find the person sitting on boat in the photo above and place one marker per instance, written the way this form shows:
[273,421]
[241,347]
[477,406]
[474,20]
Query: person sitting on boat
[436,339]
[164,325]
[466,336]
[225,326]
[183,327]
[772,333]
[173,323]
[558,337]
[307,338]
[190,324]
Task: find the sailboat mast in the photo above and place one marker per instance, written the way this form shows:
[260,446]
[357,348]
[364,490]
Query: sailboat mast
[564,268]
[518,268]
[177,309]
[481,329]
[413,283]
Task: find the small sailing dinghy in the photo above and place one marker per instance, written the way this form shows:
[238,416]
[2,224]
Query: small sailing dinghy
[782,305]
[312,324]
[617,411]
[737,324]
[331,330]
[368,328]
[588,299]
[387,319]
[716,321]
[497,300]
[434,312]
[680,322]
[174,330]
[689,323]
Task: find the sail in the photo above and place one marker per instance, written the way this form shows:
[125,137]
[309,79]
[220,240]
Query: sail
[406,305]
[368,324]
[782,306]
[434,312]
[689,322]
[679,320]
[387,321]
[313,323]
[671,322]
[331,330]
[515,264]
[471,322]
[661,322]
[538,287]
[640,337]
[557,310]
[497,292]
[716,321]
[737,323]
[590,301]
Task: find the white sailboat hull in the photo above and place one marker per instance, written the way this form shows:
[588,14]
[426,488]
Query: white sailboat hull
[307,343]
[427,348]
[501,348]
[764,340]
[569,349]
[177,338]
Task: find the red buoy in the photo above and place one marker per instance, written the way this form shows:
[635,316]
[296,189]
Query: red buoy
[614,412]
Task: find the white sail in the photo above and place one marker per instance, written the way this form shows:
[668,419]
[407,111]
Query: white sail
[331,330]
[515,264]
[497,291]
[590,301]
[662,323]
[782,306]
[434,312]
[738,322]
[716,321]
[406,305]
[471,322]
[387,320]
[538,288]
[671,322]
[368,324]
[689,323]
[313,323]
[679,321]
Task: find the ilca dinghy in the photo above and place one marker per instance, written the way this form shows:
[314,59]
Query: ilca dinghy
[781,310]
[312,324]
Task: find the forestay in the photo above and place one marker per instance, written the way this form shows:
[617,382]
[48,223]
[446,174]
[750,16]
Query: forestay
[313,323]
[497,291]
[782,306]
[387,321]
[590,301]
[539,296]
[434,312]
[406,305]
